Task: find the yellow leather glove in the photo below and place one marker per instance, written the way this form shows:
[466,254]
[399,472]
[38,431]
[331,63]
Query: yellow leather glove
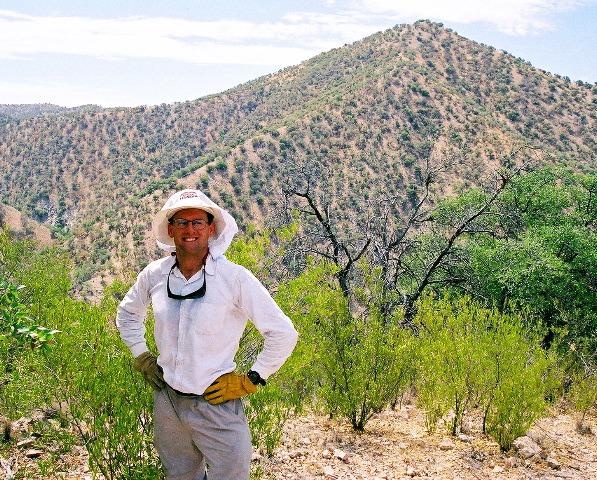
[147,364]
[229,387]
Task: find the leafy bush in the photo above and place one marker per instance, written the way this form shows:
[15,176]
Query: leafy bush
[22,340]
[584,396]
[17,329]
[109,404]
[583,392]
[543,257]
[87,369]
[355,363]
[476,357]
[267,411]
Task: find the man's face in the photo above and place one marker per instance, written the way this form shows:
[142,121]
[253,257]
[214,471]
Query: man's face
[189,239]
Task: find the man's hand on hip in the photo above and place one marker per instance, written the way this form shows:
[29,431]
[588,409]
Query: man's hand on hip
[229,387]
[147,364]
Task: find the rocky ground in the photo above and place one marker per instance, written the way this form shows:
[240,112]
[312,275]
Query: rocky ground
[394,446]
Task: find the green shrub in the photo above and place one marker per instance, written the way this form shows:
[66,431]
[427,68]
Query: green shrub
[356,364]
[22,344]
[109,404]
[583,392]
[584,396]
[452,367]
[518,398]
[475,357]
[267,411]
[88,369]
[17,329]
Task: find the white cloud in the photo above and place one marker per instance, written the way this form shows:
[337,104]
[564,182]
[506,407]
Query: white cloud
[289,40]
[513,17]
[293,39]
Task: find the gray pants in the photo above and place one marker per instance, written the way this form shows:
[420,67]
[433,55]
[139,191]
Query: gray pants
[189,432]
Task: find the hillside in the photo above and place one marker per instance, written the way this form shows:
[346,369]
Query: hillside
[368,116]
[22,111]
[22,226]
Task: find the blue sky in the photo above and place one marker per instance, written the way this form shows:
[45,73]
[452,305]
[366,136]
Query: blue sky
[133,52]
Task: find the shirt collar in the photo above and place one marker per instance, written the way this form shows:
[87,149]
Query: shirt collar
[167,264]
[210,265]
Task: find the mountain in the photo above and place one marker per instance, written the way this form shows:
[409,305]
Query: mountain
[22,111]
[369,116]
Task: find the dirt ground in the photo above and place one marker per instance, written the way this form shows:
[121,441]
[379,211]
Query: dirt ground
[394,446]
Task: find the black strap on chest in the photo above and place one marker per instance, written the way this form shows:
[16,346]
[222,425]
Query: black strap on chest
[196,294]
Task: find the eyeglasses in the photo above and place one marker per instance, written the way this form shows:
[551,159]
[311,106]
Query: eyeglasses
[196,294]
[181,223]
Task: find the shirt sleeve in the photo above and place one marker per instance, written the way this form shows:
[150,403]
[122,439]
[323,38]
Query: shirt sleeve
[131,313]
[279,334]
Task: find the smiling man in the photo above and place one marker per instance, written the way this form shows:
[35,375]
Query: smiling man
[201,303]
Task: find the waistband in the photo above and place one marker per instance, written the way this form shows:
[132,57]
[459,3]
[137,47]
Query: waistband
[183,394]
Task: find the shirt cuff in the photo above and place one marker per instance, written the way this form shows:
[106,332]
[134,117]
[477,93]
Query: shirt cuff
[263,372]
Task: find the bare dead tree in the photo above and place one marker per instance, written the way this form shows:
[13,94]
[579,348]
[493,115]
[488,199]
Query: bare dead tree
[396,246]
[391,243]
[334,249]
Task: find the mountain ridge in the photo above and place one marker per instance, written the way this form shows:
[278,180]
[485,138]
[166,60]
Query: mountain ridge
[373,113]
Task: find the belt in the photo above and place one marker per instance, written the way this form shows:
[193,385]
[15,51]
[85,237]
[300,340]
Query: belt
[184,394]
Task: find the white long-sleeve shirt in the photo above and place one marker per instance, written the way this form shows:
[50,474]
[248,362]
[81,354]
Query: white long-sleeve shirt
[198,338]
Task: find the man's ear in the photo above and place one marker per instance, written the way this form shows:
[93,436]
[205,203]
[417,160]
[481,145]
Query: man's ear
[170,228]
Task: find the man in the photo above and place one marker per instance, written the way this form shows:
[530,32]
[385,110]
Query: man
[201,303]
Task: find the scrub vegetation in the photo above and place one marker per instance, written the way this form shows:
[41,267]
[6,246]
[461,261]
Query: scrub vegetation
[508,330]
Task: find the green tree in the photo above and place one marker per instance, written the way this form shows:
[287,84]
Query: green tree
[541,254]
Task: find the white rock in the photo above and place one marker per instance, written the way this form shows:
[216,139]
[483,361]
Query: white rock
[305,441]
[339,454]
[294,454]
[412,471]
[402,445]
[446,444]
[465,438]
[328,471]
[498,469]
[326,454]
[526,447]
[553,463]
[26,443]
[255,456]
